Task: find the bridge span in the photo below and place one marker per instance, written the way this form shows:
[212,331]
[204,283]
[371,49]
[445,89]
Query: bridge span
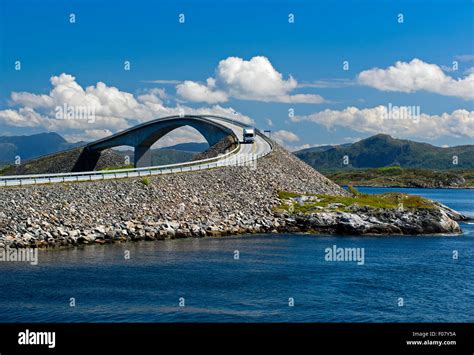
[142,137]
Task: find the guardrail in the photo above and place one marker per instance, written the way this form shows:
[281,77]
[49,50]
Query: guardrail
[63,177]
[203,164]
[128,173]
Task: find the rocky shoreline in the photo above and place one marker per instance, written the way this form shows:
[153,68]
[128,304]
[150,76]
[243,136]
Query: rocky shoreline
[227,201]
[367,221]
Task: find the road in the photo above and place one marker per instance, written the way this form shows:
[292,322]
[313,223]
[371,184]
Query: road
[243,154]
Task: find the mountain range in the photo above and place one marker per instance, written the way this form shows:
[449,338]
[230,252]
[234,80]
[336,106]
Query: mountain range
[382,150]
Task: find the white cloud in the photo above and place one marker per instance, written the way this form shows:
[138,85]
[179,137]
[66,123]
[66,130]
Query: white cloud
[255,79]
[24,117]
[418,75]
[459,123]
[269,122]
[113,109]
[87,135]
[192,91]
[283,137]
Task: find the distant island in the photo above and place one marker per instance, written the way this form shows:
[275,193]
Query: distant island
[384,161]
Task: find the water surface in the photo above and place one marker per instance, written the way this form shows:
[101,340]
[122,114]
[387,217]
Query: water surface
[270,270]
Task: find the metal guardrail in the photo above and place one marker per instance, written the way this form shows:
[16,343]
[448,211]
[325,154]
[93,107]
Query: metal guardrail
[203,164]
[128,173]
[61,177]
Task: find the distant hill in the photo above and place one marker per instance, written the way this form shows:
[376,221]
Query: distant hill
[28,147]
[321,148]
[382,150]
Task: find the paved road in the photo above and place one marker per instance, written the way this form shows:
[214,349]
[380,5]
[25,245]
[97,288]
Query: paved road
[244,154]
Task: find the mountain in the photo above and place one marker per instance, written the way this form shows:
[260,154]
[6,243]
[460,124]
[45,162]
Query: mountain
[382,150]
[28,147]
[321,148]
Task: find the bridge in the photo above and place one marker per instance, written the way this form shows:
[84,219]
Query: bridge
[142,137]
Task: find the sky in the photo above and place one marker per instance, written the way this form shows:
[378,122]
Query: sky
[314,73]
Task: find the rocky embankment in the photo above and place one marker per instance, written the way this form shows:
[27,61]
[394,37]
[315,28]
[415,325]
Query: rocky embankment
[230,200]
[227,200]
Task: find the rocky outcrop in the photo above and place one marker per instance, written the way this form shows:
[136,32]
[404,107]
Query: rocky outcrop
[366,221]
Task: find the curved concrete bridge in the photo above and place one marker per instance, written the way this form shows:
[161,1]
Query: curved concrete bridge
[142,137]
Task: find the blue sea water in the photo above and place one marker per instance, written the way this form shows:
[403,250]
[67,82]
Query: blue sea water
[271,269]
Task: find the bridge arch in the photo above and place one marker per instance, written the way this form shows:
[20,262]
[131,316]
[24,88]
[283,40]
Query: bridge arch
[143,136]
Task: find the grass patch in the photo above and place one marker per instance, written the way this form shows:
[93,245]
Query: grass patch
[390,200]
[4,169]
[285,195]
[145,180]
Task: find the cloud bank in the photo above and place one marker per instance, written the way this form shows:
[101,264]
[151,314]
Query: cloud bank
[459,123]
[415,76]
[113,109]
[255,79]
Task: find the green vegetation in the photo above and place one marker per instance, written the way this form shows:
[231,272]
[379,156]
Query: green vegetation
[5,169]
[318,203]
[391,169]
[353,190]
[401,177]
[145,180]
[285,195]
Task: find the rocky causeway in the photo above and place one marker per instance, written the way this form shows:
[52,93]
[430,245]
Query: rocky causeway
[224,201]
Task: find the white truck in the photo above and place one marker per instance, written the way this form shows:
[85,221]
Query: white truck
[249,135]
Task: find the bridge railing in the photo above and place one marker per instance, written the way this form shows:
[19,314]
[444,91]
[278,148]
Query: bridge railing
[197,165]
[203,164]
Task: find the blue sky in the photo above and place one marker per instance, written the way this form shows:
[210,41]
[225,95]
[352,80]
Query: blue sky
[312,50]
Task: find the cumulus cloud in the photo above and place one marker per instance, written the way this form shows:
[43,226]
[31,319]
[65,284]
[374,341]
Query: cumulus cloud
[459,123]
[255,79]
[418,75]
[193,91]
[112,109]
[24,117]
[283,137]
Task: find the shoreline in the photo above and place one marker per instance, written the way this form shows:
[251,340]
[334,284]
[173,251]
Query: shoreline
[415,187]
